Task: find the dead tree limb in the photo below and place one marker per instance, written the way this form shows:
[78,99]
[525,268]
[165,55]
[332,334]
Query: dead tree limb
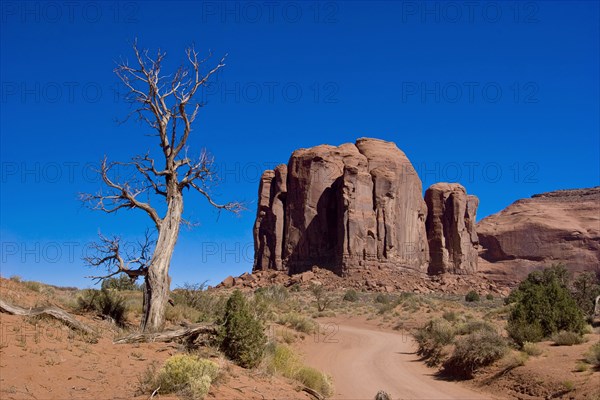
[52,311]
[189,333]
[313,393]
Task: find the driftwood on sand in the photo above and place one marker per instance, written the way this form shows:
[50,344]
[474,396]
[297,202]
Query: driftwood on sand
[51,311]
[189,333]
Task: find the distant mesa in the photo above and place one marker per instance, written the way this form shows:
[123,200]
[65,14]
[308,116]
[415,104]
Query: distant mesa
[556,227]
[356,212]
[360,206]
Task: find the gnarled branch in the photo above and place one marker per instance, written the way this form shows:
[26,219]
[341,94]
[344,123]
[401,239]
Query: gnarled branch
[109,254]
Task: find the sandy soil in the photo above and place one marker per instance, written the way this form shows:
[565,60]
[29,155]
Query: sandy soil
[363,359]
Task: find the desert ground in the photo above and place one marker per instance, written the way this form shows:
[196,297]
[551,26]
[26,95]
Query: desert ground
[360,346]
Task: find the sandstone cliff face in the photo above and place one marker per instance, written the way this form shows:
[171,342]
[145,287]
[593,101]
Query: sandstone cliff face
[351,206]
[268,227]
[561,226]
[450,229]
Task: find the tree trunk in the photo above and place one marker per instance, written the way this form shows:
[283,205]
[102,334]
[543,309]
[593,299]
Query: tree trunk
[157,279]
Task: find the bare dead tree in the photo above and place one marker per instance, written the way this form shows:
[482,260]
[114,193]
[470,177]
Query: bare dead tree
[166,104]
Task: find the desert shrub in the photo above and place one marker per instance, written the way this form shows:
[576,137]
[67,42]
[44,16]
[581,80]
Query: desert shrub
[182,312]
[282,360]
[274,293]
[267,300]
[489,296]
[387,307]
[432,338]
[107,303]
[123,282]
[564,338]
[382,298]
[450,316]
[185,374]
[351,295]
[593,355]
[521,331]
[514,360]
[322,296]
[295,288]
[314,379]
[297,322]
[474,326]
[531,349]
[474,351]
[33,286]
[210,306]
[581,367]
[410,304]
[472,296]
[241,336]
[542,306]
[585,289]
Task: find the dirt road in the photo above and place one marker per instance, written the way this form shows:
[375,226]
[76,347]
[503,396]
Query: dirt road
[363,360]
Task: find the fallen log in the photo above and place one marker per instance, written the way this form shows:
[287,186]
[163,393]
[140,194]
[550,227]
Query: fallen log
[313,393]
[53,312]
[189,333]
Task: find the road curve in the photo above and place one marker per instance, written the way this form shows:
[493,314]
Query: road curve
[363,360]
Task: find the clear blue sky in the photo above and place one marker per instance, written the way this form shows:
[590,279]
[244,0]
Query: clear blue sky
[502,97]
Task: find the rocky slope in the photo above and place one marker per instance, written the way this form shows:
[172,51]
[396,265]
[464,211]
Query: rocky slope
[360,206]
[561,226]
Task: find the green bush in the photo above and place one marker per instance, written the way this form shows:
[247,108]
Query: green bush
[532,349]
[450,316]
[241,335]
[474,326]
[432,338]
[593,355]
[522,332]
[185,374]
[489,296]
[382,298]
[351,295]
[275,293]
[282,360]
[543,306]
[564,338]
[314,379]
[322,296]
[107,303]
[33,286]
[298,322]
[209,306]
[474,351]
[295,288]
[267,300]
[585,289]
[472,296]
[123,282]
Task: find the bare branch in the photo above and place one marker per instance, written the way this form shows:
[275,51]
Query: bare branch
[234,206]
[123,195]
[132,261]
